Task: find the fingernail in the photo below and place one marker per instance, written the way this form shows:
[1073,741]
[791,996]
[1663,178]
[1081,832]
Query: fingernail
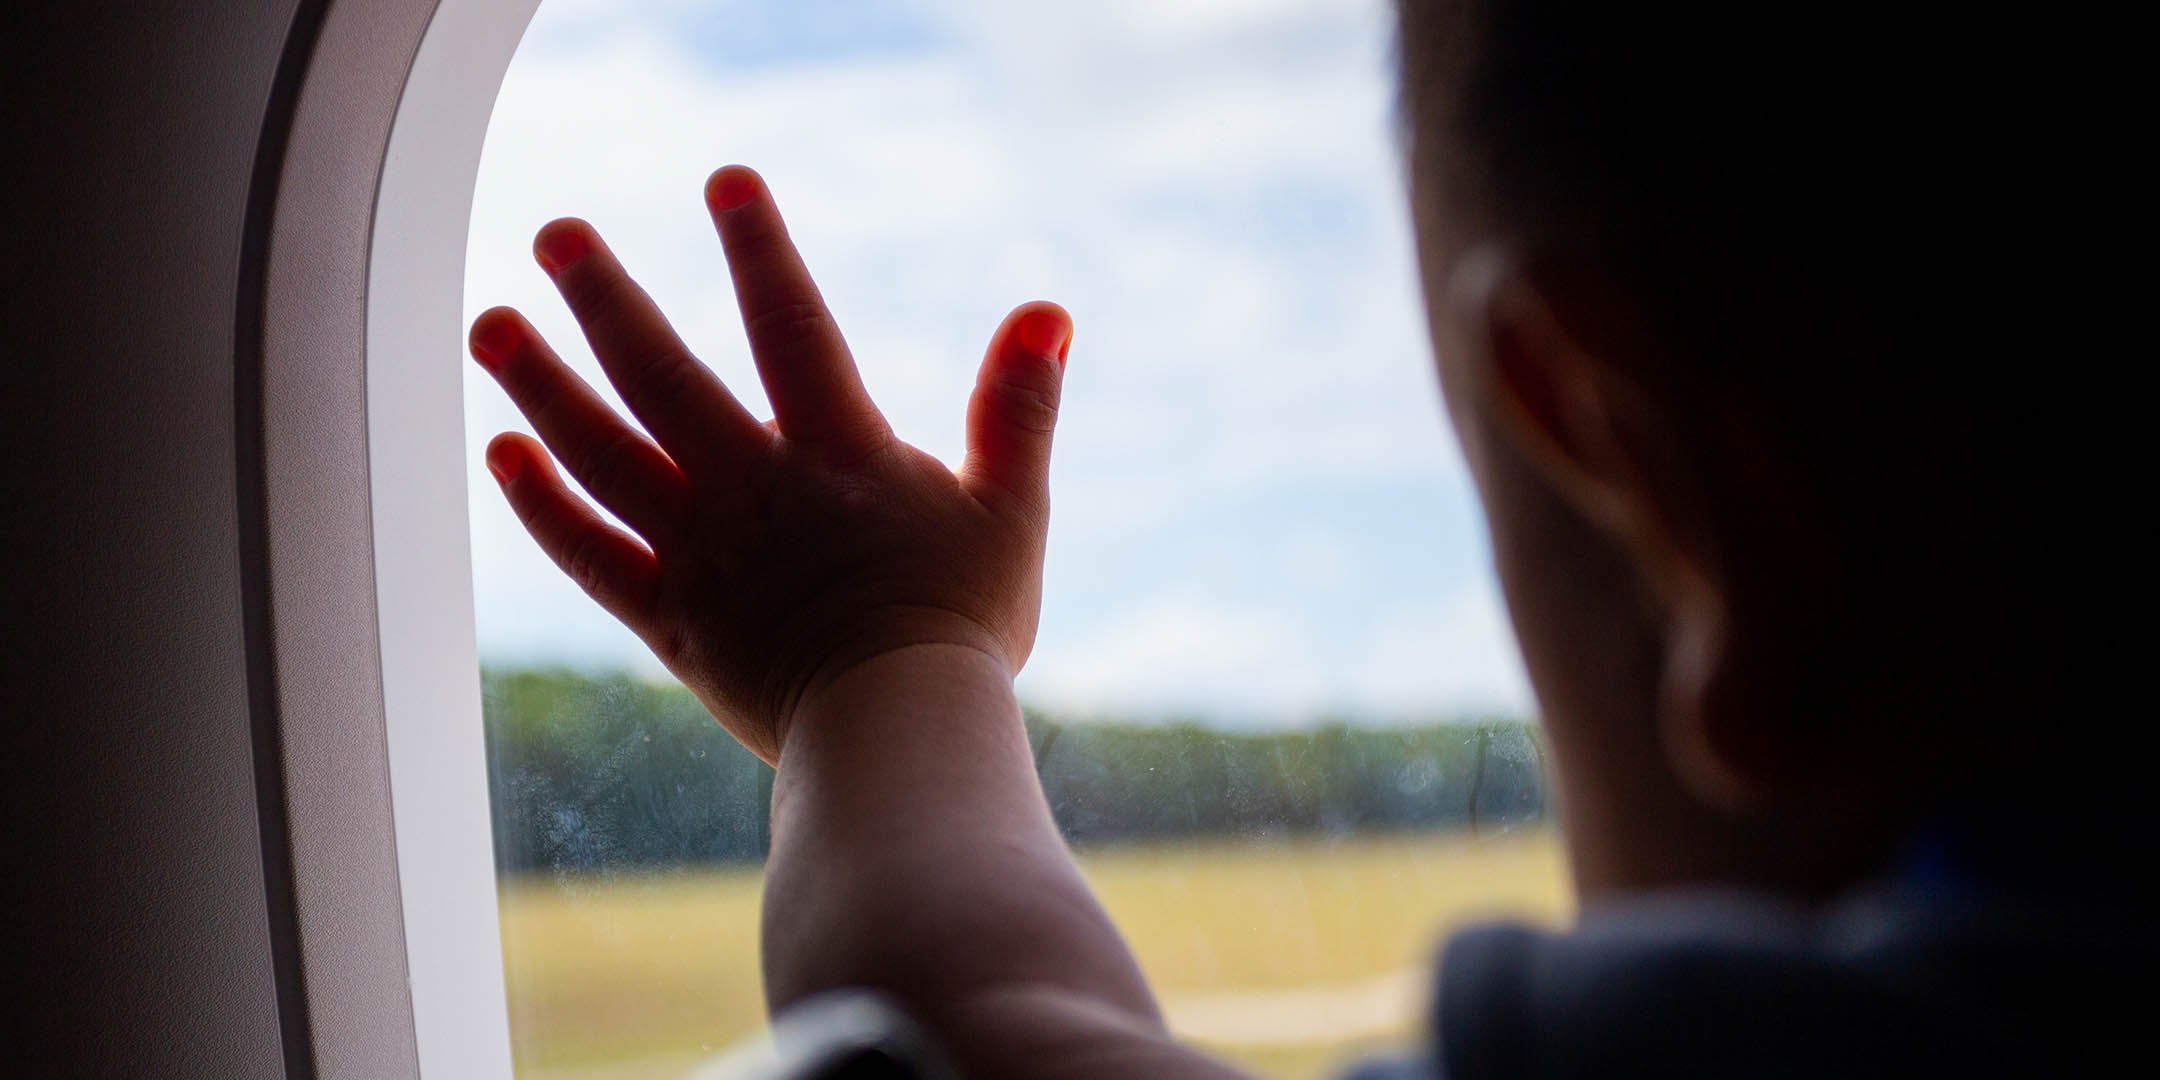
[1044,332]
[560,245]
[504,465]
[495,339]
[731,187]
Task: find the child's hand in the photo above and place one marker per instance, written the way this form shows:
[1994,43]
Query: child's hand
[777,555]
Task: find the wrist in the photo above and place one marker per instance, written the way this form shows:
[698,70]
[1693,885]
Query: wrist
[958,664]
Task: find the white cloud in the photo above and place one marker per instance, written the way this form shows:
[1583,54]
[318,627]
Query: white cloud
[1463,653]
[1182,654]
[1208,186]
[1247,661]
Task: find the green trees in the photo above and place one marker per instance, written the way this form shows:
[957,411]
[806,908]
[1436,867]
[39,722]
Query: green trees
[593,772]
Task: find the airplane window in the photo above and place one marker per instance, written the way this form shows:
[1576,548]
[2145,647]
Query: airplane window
[1274,701]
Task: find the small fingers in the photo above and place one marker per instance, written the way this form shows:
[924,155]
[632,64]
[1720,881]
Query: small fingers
[817,393]
[612,567]
[680,401]
[1014,409]
[613,461]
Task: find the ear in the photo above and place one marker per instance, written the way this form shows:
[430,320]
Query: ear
[1551,372]
[1558,368]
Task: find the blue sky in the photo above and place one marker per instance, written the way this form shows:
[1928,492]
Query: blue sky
[1260,515]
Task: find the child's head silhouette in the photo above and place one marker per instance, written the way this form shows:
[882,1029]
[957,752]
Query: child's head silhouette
[1695,311]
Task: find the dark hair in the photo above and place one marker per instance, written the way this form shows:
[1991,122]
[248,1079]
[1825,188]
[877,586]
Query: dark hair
[1785,193]
[1755,171]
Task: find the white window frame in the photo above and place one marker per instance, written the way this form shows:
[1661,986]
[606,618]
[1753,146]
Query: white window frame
[422,537]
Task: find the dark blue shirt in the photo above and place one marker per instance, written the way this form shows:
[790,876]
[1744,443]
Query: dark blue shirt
[1914,978]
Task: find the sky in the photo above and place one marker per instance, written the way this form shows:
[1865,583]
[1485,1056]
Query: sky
[1260,515]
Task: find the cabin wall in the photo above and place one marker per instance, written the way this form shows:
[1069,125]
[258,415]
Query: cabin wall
[141,914]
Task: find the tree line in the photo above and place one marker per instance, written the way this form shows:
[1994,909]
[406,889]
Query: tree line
[596,772]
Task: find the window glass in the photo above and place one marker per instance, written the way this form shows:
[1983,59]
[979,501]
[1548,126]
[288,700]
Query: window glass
[1274,701]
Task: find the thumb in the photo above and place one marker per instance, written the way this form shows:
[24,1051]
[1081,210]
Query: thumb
[1014,409]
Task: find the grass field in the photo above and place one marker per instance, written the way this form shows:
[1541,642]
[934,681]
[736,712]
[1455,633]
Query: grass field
[1284,956]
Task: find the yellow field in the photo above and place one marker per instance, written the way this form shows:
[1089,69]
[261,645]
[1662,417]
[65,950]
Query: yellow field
[1286,957]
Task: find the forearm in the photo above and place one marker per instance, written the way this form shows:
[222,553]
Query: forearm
[913,853]
[913,850]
